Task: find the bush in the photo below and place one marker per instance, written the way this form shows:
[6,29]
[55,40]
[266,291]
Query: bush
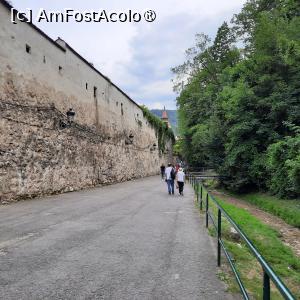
[283,162]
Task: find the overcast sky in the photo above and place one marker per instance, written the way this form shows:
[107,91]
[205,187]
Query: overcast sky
[138,56]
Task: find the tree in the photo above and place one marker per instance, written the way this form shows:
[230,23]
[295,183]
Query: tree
[236,103]
[283,161]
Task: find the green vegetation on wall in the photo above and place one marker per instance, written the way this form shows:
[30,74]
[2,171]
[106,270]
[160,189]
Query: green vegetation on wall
[172,116]
[163,132]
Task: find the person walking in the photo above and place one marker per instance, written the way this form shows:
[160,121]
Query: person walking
[180,176]
[162,171]
[170,177]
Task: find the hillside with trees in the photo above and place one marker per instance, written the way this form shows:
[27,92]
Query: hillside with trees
[239,99]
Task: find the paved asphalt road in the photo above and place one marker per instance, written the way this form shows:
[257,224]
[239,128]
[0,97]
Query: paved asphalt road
[125,241]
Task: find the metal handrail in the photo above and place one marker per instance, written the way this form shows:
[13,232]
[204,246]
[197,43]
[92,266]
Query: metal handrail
[268,273]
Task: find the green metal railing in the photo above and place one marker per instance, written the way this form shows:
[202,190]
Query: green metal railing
[268,273]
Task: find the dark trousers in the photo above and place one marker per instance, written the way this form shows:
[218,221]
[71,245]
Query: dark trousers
[180,187]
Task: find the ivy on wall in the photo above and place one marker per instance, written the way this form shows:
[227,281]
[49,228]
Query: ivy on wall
[161,129]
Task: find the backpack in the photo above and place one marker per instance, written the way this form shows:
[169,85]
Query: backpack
[173,174]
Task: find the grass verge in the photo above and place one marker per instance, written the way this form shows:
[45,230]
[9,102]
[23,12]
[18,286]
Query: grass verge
[288,210]
[266,240]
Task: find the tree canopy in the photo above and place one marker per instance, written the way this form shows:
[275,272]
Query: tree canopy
[239,99]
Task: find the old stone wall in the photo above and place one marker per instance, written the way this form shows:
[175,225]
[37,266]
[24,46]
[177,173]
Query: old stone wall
[41,152]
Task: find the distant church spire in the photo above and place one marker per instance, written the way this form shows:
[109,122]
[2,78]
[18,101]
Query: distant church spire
[165,117]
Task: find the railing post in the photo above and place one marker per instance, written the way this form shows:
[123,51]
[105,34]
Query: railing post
[266,288]
[197,191]
[201,191]
[219,236]
[206,210]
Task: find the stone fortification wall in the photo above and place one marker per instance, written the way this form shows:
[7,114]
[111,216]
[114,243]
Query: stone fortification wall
[40,151]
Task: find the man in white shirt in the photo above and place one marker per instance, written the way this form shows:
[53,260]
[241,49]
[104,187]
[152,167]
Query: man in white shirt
[170,176]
